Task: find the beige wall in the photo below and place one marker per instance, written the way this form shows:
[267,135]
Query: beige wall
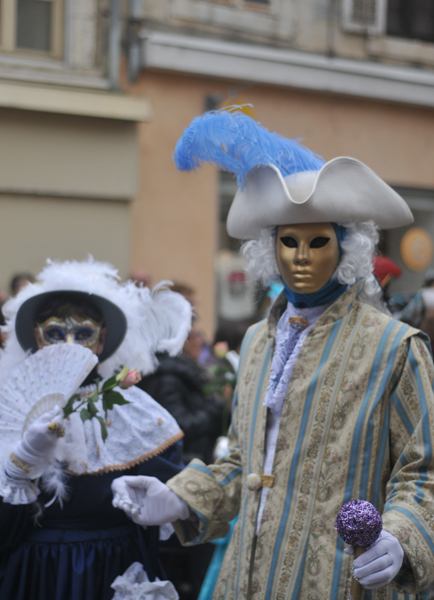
[34,229]
[67,154]
[175,214]
[66,185]
[394,140]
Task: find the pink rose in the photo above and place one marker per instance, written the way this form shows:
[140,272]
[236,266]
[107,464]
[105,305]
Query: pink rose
[131,379]
[221,349]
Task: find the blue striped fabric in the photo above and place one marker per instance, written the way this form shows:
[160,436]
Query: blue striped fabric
[355,424]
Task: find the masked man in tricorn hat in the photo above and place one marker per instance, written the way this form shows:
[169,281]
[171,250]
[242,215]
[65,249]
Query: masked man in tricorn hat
[334,399]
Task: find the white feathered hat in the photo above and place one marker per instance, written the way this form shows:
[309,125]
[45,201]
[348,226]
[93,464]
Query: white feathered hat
[145,322]
[281,182]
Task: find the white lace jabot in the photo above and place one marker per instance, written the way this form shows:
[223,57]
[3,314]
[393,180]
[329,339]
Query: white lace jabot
[289,341]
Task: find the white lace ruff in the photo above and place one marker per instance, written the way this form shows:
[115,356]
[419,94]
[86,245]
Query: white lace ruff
[287,348]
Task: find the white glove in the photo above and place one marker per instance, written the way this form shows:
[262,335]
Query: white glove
[380,563]
[31,455]
[148,501]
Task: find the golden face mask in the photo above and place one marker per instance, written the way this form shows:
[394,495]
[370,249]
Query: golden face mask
[71,330]
[307,255]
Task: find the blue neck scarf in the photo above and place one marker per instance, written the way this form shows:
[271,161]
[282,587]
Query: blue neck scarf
[330,292]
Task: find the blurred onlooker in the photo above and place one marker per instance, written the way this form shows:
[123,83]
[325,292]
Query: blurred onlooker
[412,308]
[141,277]
[179,385]
[385,269]
[19,280]
[427,326]
[266,297]
[236,295]
[194,342]
[196,346]
[222,365]
[185,290]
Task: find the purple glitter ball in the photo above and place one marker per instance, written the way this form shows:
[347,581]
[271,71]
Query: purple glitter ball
[359,523]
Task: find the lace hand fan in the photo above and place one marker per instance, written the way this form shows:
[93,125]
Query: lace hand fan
[43,381]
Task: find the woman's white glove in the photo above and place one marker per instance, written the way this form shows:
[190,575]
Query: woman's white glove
[148,501]
[31,455]
[380,563]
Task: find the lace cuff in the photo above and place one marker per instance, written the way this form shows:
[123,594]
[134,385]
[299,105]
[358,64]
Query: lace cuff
[17,491]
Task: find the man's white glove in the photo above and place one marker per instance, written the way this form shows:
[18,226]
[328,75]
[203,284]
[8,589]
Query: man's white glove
[380,563]
[148,501]
[31,455]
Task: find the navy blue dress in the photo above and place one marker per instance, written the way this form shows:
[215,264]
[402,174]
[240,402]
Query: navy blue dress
[79,550]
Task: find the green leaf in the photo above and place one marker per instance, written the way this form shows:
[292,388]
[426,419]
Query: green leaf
[69,406]
[85,415]
[111,398]
[104,432]
[109,384]
[93,397]
[104,406]
[93,411]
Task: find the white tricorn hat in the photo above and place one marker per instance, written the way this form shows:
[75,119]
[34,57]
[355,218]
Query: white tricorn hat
[281,182]
[343,190]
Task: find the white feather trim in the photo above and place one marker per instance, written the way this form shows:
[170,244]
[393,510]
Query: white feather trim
[157,321]
[53,481]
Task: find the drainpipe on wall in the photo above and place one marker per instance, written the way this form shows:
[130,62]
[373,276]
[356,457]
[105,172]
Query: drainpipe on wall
[331,24]
[114,50]
[134,42]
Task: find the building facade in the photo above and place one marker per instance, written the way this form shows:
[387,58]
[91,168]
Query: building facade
[350,77]
[69,137]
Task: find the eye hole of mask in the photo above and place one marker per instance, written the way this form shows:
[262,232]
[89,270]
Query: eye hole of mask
[83,334]
[319,242]
[56,334]
[289,241]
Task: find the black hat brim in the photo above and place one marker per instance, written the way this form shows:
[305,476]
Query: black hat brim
[114,319]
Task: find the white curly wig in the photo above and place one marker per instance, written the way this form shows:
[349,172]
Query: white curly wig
[358,248]
[157,320]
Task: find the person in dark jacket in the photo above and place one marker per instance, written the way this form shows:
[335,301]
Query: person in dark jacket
[178,386]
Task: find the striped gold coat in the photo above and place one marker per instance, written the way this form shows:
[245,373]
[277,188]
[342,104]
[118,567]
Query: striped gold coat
[357,422]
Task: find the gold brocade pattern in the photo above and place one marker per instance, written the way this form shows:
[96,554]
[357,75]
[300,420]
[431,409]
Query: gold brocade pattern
[357,414]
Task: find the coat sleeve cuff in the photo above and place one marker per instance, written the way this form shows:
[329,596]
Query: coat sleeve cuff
[200,489]
[405,523]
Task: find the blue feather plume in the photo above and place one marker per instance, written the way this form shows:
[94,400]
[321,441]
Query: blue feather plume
[236,143]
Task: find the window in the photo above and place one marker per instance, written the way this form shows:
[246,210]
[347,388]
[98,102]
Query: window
[364,16]
[411,19]
[32,27]
[244,3]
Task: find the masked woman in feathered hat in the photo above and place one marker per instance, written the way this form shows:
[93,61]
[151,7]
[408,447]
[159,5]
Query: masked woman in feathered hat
[61,538]
[334,399]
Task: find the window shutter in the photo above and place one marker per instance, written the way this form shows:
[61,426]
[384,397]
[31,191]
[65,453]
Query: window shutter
[364,16]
